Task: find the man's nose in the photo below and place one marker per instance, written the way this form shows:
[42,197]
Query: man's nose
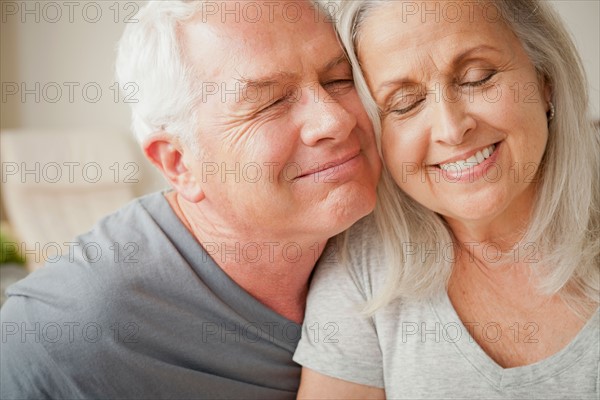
[325,118]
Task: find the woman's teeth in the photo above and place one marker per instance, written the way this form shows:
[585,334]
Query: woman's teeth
[470,162]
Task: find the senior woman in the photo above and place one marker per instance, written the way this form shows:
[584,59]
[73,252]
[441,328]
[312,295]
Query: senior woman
[480,268]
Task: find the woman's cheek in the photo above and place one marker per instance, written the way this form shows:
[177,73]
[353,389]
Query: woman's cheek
[396,156]
[389,148]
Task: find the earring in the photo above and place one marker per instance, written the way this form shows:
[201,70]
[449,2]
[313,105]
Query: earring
[550,113]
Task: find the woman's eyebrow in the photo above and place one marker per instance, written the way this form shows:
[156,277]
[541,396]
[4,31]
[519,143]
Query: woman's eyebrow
[397,83]
[456,61]
[473,51]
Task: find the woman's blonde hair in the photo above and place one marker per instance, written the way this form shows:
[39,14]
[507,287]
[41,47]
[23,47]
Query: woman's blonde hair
[418,244]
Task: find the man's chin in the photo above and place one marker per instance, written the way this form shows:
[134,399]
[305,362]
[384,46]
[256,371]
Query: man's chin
[352,208]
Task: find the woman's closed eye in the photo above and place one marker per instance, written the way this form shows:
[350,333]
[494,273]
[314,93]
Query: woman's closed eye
[409,108]
[405,105]
[475,81]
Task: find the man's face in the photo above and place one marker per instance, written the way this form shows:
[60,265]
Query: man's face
[287,148]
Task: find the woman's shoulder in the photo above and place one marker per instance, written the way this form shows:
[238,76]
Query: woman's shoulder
[356,254]
[364,246]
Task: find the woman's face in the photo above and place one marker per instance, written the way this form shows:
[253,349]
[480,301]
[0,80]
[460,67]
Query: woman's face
[463,110]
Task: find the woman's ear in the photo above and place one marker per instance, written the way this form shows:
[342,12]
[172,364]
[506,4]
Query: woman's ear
[547,91]
[167,154]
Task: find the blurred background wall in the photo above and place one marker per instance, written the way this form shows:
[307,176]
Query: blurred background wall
[47,48]
[57,73]
[583,20]
[57,63]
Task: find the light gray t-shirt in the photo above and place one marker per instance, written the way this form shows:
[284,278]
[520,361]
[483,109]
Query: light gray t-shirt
[422,350]
[138,310]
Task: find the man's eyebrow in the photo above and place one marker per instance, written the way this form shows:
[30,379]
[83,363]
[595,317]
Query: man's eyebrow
[276,78]
[459,59]
[264,81]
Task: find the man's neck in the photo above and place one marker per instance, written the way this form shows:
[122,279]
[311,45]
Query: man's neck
[274,271]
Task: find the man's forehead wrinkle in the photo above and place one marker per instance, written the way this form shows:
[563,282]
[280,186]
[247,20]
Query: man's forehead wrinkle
[340,59]
[234,51]
[269,79]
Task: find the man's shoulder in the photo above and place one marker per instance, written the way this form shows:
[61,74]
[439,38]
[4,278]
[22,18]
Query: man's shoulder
[128,221]
[80,307]
[99,267]
[156,318]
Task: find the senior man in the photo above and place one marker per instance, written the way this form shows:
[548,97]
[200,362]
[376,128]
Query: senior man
[253,119]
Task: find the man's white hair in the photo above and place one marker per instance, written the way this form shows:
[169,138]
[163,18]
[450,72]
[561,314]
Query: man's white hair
[150,59]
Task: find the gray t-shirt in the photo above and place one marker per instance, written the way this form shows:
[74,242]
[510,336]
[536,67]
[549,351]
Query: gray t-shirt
[422,350]
[138,310]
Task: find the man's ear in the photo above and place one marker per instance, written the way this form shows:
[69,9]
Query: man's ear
[166,153]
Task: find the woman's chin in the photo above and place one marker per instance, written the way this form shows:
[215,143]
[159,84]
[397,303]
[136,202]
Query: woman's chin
[475,209]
